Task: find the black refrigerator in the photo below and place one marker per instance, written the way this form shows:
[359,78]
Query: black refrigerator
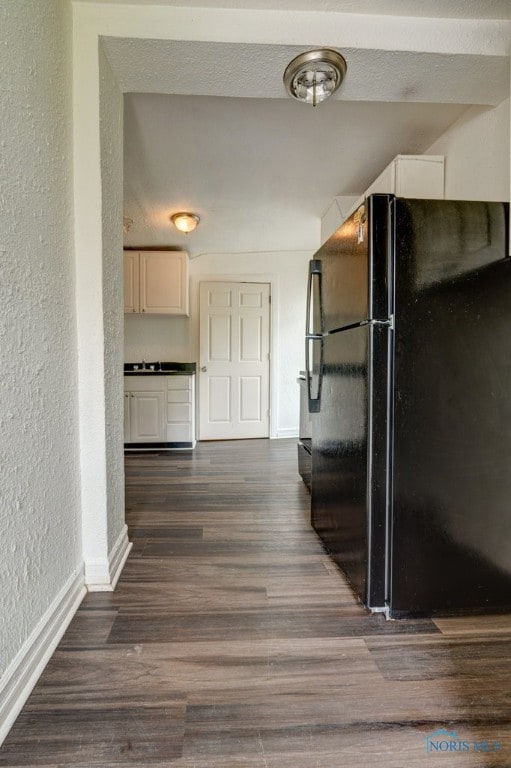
[408,347]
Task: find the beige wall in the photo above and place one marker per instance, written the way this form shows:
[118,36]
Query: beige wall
[476,150]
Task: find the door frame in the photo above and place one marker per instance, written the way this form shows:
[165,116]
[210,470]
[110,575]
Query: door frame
[273,281]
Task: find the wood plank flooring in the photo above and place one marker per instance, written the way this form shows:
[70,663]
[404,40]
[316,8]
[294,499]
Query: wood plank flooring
[232,641]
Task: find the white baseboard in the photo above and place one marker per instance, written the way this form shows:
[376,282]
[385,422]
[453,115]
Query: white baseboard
[26,667]
[102,574]
[119,555]
[281,433]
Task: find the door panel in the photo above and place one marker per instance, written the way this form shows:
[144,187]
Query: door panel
[250,339]
[234,360]
[220,339]
[219,399]
[250,398]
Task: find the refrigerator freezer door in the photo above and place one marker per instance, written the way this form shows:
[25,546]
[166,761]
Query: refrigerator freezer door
[349,458]
[451,540]
[355,268]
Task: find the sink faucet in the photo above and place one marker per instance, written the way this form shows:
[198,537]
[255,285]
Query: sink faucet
[143,365]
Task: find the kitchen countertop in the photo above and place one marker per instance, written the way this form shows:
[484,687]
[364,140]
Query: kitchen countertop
[160,369]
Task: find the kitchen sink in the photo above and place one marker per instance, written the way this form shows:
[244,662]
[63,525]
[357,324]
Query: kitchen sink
[150,369]
[146,370]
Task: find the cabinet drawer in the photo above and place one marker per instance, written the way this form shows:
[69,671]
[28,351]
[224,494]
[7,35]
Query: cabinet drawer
[179,412]
[179,396]
[180,433]
[179,382]
[145,383]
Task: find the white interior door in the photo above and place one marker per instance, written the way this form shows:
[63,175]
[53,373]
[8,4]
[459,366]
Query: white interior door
[234,369]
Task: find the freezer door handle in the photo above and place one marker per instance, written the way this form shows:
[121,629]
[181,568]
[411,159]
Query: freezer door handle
[314,315]
[314,371]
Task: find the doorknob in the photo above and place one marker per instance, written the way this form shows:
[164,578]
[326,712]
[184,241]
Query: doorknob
[204,369]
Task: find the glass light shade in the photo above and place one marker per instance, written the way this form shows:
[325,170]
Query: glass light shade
[314,75]
[185,222]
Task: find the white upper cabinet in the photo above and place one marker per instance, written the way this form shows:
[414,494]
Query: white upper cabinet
[156,282]
[419,176]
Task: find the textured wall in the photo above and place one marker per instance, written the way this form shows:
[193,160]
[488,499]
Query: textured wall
[39,502]
[111,124]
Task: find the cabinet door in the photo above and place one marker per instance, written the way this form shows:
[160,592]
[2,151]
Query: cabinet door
[420,177]
[385,183]
[147,417]
[164,282]
[127,419]
[131,281]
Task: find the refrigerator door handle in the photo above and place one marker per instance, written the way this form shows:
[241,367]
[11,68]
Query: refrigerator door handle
[314,335]
[314,371]
[314,288]
[387,323]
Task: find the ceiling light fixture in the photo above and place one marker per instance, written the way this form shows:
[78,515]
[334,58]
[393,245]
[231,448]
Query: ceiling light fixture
[313,76]
[185,222]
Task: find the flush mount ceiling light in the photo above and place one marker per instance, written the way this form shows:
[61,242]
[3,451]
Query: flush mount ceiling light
[185,222]
[314,75]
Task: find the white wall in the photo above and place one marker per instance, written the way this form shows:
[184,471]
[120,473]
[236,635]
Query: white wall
[40,549]
[476,150]
[97,168]
[157,337]
[160,338]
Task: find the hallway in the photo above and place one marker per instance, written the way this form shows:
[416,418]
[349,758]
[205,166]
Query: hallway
[232,641]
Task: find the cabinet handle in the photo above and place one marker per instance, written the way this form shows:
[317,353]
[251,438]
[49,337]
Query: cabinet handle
[204,369]
[143,309]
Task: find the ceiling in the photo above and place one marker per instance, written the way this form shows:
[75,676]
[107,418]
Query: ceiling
[208,128]
[463,9]
[259,172]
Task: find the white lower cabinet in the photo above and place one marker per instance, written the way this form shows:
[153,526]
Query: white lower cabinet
[144,410]
[159,409]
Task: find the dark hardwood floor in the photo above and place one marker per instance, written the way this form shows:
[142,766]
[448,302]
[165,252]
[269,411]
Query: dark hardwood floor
[232,641]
